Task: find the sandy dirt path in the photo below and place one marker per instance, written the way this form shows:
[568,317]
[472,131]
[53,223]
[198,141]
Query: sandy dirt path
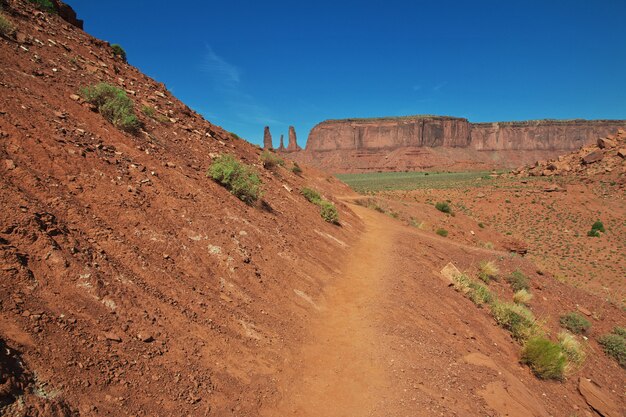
[342,372]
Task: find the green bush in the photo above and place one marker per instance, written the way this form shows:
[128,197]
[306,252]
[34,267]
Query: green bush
[517,319]
[296,169]
[614,344]
[518,281]
[443,207]
[148,111]
[545,358]
[114,105]
[620,331]
[271,160]
[593,233]
[575,322]
[6,27]
[44,5]
[238,178]
[328,211]
[598,226]
[488,270]
[311,195]
[573,349]
[119,51]
[442,232]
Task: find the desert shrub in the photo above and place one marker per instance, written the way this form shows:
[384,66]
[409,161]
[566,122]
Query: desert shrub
[328,211]
[620,331]
[481,225]
[311,195]
[114,105]
[442,232]
[545,358]
[44,5]
[517,319]
[148,111]
[443,207]
[488,270]
[599,226]
[518,281]
[461,283]
[575,322]
[296,169]
[6,27]
[119,51]
[614,344]
[238,178]
[573,349]
[271,160]
[479,294]
[522,297]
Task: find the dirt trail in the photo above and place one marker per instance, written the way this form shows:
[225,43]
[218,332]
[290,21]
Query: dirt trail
[341,373]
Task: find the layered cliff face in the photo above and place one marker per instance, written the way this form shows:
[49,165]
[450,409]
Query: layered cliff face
[439,142]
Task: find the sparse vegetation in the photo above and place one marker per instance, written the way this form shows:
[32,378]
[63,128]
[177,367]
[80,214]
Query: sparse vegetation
[119,51]
[328,211]
[442,232]
[522,297]
[6,27]
[296,169]
[443,207]
[488,270]
[44,5]
[479,294]
[148,111]
[240,179]
[614,345]
[518,281]
[517,319]
[114,105]
[270,160]
[545,358]
[575,322]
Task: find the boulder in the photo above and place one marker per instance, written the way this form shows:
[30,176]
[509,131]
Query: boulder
[597,399]
[604,143]
[593,157]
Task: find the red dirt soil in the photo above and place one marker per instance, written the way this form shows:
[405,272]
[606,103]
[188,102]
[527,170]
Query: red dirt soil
[131,284]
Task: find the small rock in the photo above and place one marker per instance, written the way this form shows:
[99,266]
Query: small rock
[9,164]
[592,157]
[170,165]
[145,337]
[75,97]
[584,311]
[621,153]
[112,337]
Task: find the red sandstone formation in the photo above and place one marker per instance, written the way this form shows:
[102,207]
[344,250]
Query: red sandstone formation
[426,142]
[281,148]
[67,13]
[293,142]
[267,138]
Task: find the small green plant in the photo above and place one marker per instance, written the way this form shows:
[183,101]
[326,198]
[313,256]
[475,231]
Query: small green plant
[593,233]
[545,358]
[270,160]
[6,27]
[488,270]
[479,294]
[240,179]
[461,283]
[328,211]
[311,195]
[148,111]
[517,319]
[522,297]
[443,207]
[296,169]
[573,349]
[114,105]
[44,5]
[518,281]
[614,345]
[481,225]
[442,232]
[620,331]
[119,51]
[575,322]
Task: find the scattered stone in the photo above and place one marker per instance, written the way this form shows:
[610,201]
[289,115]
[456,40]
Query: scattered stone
[145,337]
[553,188]
[170,165]
[597,399]
[584,311]
[621,153]
[9,164]
[75,97]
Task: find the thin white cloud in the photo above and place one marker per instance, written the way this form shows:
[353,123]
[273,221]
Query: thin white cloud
[223,73]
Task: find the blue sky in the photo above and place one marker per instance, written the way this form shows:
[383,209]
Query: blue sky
[248,64]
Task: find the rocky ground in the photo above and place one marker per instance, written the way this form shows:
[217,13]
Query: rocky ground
[131,284]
